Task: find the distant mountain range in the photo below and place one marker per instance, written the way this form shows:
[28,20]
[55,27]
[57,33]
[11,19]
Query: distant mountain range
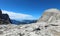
[23,21]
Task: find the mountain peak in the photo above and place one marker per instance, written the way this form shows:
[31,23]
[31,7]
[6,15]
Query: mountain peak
[50,15]
[52,10]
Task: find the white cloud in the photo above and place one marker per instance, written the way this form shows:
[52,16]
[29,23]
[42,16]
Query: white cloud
[18,16]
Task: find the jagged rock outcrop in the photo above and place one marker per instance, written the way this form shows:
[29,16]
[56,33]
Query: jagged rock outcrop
[4,18]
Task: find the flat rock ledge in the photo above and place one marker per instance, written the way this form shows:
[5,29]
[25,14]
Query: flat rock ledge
[35,29]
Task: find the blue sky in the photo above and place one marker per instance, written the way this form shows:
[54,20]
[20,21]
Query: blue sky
[32,8]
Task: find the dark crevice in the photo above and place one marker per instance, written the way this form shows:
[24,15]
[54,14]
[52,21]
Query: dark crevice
[37,29]
[53,25]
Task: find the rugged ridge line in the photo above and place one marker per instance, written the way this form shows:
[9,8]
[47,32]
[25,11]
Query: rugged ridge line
[4,18]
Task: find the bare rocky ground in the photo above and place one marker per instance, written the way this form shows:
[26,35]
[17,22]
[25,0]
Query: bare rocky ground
[35,29]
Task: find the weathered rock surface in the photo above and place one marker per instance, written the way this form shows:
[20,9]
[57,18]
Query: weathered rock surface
[22,30]
[35,29]
[4,18]
[50,15]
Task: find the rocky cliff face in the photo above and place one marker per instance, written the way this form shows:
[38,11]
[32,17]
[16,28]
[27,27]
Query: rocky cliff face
[4,18]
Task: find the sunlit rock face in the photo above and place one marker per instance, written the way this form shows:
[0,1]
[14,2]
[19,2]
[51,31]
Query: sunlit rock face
[50,15]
